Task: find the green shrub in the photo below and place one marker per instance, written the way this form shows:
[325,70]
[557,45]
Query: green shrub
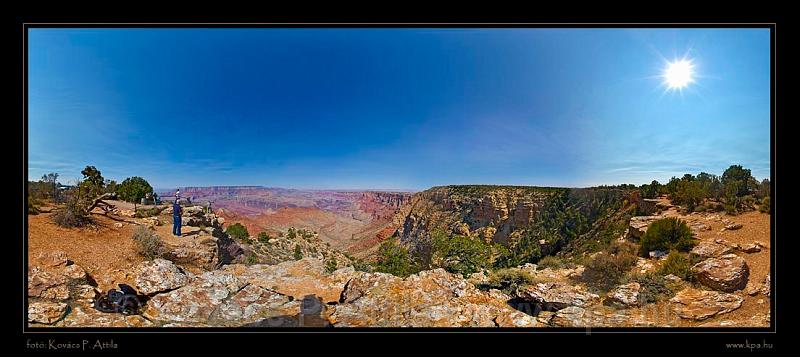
[553,262]
[652,287]
[507,280]
[604,271]
[460,254]
[306,234]
[291,234]
[263,237]
[361,265]
[73,214]
[666,234]
[677,264]
[298,253]
[394,259]
[251,258]
[148,244]
[238,231]
[330,265]
[148,212]
[33,206]
[764,207]
[689,193]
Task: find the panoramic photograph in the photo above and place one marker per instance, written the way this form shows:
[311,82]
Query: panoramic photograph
[364,178]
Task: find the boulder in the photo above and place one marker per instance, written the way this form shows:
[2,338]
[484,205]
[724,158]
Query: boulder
[46,312]
[638,225]
[694,304]
[751,248]
[557,295]
[658,254]
[697,227]
[196,253]
[672,278]
[158,276]
[726,273]
[709,249]
[625,295]
[733,226]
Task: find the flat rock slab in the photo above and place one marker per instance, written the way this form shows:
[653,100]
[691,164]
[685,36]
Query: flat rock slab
[699,305]
[558,295]
[710,249]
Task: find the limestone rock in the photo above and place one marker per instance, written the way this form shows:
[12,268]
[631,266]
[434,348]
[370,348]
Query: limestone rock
[51,259]
[638,225]
[195,302]
[733,226]
[751,248]
[158,276]
[658,254]
[727,273]
[82,316]
[557,295]
[53,280]
[709,249]
[643,265]
[433,298]
[46,312]
[625,295]
[699,305]
[197,253]
[237,294]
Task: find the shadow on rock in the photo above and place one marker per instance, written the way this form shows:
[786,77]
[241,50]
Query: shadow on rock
[311,315]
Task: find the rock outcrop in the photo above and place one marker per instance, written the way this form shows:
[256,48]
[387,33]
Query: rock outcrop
[727,273]
[625,295]
[638,225]
[697,304]
[709,249]
[237,294]
[558,295]
[433,298]
[46,312]
[158,276]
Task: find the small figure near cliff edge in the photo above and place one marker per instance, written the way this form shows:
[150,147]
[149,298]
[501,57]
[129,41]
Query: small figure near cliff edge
[176,218]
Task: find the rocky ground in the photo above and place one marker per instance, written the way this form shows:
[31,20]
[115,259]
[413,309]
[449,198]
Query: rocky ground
[746,302]
[204,281]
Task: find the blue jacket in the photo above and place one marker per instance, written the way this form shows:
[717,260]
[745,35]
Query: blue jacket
[176,211]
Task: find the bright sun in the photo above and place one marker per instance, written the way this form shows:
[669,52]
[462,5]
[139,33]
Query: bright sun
[678,74]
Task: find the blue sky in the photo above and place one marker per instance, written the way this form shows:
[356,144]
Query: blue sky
[395,108]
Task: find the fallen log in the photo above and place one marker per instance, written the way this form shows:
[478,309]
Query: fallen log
[98,201]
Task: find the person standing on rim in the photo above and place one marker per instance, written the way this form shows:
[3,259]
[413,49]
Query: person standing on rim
[176,218]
